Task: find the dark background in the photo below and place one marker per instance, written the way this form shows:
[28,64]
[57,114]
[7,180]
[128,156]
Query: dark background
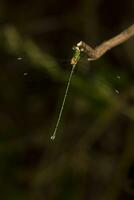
[92,156]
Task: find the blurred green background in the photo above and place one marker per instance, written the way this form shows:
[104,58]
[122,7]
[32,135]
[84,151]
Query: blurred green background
[93,154]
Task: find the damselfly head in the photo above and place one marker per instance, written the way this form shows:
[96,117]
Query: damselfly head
[74,48]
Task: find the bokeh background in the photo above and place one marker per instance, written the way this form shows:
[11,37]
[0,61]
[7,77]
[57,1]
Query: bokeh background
[92,156]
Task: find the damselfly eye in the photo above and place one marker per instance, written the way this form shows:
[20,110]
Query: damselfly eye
[74,48]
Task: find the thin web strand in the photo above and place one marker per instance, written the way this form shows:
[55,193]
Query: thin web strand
[63,103]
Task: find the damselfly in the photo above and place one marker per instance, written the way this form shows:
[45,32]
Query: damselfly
[74,61]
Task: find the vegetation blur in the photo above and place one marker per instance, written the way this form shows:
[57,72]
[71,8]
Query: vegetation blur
[92,156]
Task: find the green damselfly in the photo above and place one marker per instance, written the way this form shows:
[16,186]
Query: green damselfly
[74,61]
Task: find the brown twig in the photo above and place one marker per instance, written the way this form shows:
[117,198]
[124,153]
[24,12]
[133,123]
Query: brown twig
[97,52]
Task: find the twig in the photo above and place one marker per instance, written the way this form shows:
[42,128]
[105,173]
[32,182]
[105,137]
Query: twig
[97,52]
